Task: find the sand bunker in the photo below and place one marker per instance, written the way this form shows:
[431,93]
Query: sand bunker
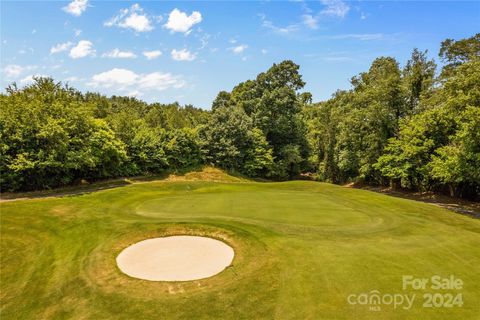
[176,258]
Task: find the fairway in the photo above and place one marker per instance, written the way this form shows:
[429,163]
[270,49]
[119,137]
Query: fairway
[301,249]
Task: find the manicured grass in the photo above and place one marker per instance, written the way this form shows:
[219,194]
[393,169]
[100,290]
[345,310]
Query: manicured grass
[301,249]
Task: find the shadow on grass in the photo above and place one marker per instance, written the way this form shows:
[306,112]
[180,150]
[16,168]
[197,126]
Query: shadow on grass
[465,207]
[198,173]
[66,191]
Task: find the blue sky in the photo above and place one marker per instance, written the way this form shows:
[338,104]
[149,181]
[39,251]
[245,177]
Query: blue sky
[186,51]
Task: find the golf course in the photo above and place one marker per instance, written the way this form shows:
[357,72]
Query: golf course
[239,160]
[302,248]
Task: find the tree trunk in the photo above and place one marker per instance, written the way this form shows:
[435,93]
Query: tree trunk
[452,189]
[395,184]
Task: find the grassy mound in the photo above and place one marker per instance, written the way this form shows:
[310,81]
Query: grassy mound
[207,174]
[301,249]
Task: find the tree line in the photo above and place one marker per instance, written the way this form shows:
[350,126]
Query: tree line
[412,127]
[406,127]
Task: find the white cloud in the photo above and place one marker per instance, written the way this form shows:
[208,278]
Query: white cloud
[132,18]
[134,93]
[77,32]
[159,81]
[133,83]
[279,30]
[60,47]
[116,53]
[204,41]
[114,77]
[310,21]
[84,48]
[13,70]
[29,79]
[264,51]
[76,7]
[359,36]
[72,79]
[150,55]
[26,50]
[238,49]
[182,55]
[180,22]
[336,8]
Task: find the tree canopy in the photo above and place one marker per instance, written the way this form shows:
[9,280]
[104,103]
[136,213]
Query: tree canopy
[402,125]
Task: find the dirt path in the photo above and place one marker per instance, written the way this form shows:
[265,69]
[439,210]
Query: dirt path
[64,192]
[461,206]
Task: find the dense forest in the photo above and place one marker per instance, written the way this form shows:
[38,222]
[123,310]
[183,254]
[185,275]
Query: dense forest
[413,127]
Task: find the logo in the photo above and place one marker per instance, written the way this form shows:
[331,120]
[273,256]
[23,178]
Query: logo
[433,292]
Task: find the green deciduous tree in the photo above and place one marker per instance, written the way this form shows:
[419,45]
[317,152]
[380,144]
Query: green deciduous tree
[226,137]
[455,53]
[273,104]
[418,78]
[370,117]
[184,148]
[259,159]
[458,163]
[439,147]
[50,138]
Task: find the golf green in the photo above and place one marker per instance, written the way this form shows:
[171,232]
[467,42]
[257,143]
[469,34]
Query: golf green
[303,250]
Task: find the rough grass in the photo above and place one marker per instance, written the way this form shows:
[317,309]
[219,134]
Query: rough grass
[301,249]
[207,174]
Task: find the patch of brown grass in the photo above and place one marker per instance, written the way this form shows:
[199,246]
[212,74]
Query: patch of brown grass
[206,174]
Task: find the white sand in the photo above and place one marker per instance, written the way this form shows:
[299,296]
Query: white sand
[176,258]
